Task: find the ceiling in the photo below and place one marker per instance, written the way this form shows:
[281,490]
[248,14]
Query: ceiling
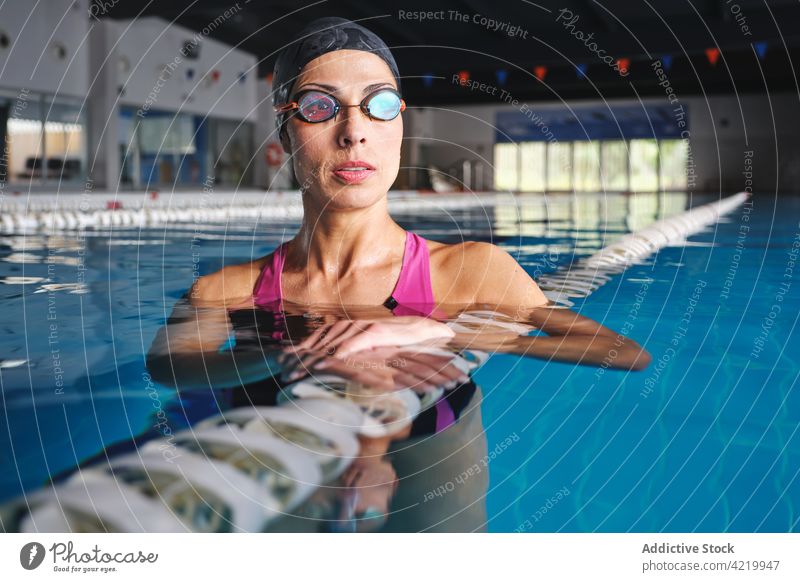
[430,52]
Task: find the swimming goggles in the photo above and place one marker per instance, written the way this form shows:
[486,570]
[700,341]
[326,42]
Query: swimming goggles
[315,106]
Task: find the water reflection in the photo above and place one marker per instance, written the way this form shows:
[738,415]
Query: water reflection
[291,432]
[316,454]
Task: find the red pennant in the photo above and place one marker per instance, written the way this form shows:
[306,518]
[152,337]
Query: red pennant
[215,75]
[623,64]
[712,54]
[463,77]
[540,72]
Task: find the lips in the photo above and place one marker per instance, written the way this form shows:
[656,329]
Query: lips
[354,171]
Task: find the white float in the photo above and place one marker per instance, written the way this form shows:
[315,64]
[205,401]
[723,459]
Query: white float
[333,447]
[208,495]
[276,466]
[92,501]
[585,276]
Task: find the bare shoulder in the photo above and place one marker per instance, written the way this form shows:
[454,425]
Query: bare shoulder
[229,283]
[481,272]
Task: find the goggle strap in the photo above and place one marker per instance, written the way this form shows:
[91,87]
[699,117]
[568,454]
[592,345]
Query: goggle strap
[287,107]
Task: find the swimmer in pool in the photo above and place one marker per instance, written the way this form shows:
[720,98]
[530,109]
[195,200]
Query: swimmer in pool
[338,103]
[339,116]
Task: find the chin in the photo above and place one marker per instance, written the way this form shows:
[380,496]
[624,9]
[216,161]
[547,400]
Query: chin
[353,196]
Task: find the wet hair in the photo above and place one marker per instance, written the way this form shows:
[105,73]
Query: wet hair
[323,35]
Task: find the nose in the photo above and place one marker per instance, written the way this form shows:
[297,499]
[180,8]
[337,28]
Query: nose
[351,126]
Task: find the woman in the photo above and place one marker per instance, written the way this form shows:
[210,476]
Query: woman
[339,116]
[349,250]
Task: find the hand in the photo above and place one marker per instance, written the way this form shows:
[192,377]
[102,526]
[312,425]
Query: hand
[348,336]
[370,484]
[388,368]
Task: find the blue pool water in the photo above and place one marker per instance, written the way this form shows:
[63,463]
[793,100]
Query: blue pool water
[703,440]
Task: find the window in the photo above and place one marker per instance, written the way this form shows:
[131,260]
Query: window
[532,166]
[162,148]
[614,165]
[64,143]
[559,166]
[505,166]
[586,176]
[673,154]
[639,165]
[230,143]
[644,165]
[45,139]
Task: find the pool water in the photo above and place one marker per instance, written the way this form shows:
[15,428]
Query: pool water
[703,440]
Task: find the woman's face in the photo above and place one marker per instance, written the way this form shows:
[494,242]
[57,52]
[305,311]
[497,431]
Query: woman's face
[319,149]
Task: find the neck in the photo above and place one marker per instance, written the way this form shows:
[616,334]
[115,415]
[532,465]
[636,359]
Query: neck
[339,242]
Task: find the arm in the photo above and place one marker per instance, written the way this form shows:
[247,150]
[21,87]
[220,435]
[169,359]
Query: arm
[571,338]
[185,352]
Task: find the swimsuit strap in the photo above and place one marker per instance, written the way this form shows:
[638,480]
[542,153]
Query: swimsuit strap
[268,286]
[413,293]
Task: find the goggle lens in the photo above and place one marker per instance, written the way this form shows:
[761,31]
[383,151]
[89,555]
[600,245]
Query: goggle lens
[384,105]
[316,106]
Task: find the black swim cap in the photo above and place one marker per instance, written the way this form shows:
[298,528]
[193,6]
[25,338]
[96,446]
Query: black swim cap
[323,35]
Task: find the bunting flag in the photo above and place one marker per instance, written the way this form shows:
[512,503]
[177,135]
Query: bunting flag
[581,68]
[463,77]
[189,74]
[666,61]
[761,49]
[501,75]
[427,79]
[215,75]
[712,54]
[242,77]
[540,72]
[623,65]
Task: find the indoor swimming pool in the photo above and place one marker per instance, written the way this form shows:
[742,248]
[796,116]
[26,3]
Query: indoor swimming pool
[703,440]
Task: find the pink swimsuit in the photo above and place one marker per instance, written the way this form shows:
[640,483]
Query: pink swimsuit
[412,295]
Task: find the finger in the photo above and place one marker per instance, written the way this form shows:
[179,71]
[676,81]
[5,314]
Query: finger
[307,366]
[300,364]
[312,339]
[452,373]
[429,374]
[363,341]
[433,360]
[442,366]
[290,355]
[357,373]
[351,333]
[332,334]
[419,385]
[351,475]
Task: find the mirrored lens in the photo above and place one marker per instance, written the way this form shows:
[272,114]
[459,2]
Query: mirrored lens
[384,105]
[316,106]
